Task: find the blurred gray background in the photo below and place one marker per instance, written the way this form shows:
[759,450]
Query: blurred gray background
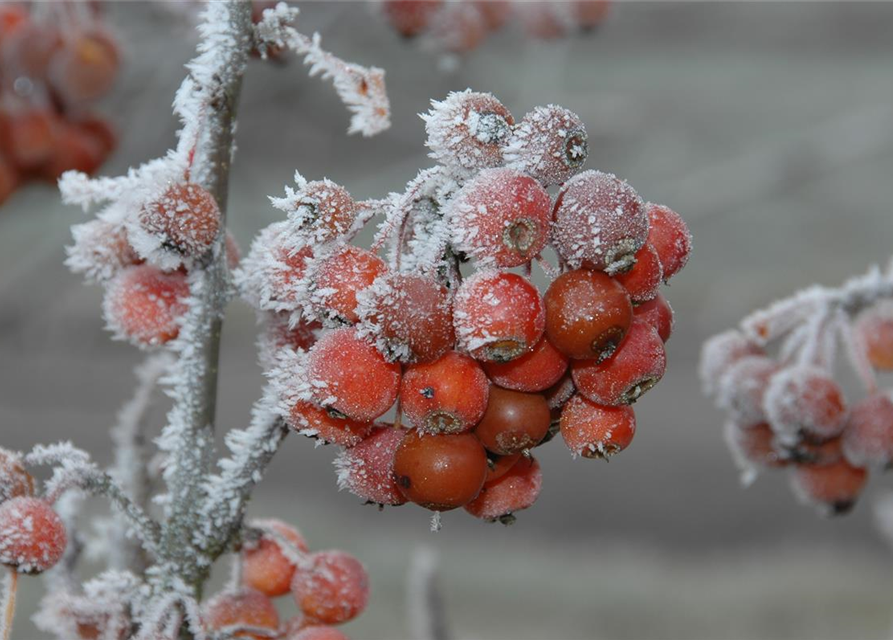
[768,126]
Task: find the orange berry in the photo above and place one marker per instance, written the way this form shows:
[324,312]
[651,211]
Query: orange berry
[145,304]
[341,276]
[514,421]
[331,588]
[875,328]
[32,535]
[832,488]
[264,565]
[329,426]
[367,469]
[536,370]
[516,490]
[868,435]
[594,431]
[243,607]
[186,216]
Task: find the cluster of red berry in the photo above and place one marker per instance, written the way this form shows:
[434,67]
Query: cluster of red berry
[459,27]
[329,587]
[56,60]
[481,367]
[142,253]
[788,411]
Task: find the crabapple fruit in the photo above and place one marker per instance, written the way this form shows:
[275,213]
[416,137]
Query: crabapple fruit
[514,491]
[367,468]
[536,370]
[145,304]
[595,431]
[514,421]
[32,535]
[331,587]
[264,565]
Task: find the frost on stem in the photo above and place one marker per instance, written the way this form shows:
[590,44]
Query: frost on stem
[775,377]
[361,89]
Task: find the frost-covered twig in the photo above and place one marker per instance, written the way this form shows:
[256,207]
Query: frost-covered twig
[130,470]
[74,469]
[228,491]
[8,601]
[361,89]
[425,608]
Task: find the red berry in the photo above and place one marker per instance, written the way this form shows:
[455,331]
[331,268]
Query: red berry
[753,445]
[590,13]
[494,12]
[84,69]
[501,217]
[317,632]
[29,49]
[718,355]
[440,472]
[560,392]
[264,565]
[536,370]
[875,328]
[868,436]
[324,210]
[587,314]
[331,588]
[367,469]
[467,130]
[658,313]
[644,279]
[341,276]
[833,488]
[458,28]
[15,481]
[805,399]
[9,176]
[409,316]
[73,149]
[241,608]
[545,20]
[448,395]
[29,137]
[600,222]
[549,144]
[638,365]
[498,466]
[302,336]
[514,421]
[498,315]
[12,17]
[326,424]
[410,17]
[669,235]
[594,431]
[272,276]
[32,535]
[350,375]
[743,387]
[518,489]
[145,304]
[185,216]
[101,249]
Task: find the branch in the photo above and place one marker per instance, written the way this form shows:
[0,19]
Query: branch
[228,492]
[74,469]
[132,458]
[361,89]
[427,618]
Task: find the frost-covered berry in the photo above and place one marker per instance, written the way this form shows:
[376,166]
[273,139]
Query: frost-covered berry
[514,491]
[643,281]
[100,250]
[560,392]
[241,608]
[833,488]
[320,632]
[600,222]
[536,370]
[440,472]
[448,395]
[340,277]
[28,136]
[467,130]
[265,566]
[743,387]
[498,466]
[498,316]
[718,355]
[185,218]
[514,421]
[753,446]
[875,329]
[658,313]
[145,304]
[804,399]
[272,275]
[367,469]
[331,587]
[501,218]
[587,314]
[410,17]
[15,481]
[327,424]
[351,376]
[458,28]
[669,235]
[410,317]
[549,144]
[594,431]
[32,535]
[868,436]
[323,210]
[637,365]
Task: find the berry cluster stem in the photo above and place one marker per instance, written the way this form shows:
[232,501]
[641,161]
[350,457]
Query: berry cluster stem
[9,600]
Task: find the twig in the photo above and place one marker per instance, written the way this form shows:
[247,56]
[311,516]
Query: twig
[9,600]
